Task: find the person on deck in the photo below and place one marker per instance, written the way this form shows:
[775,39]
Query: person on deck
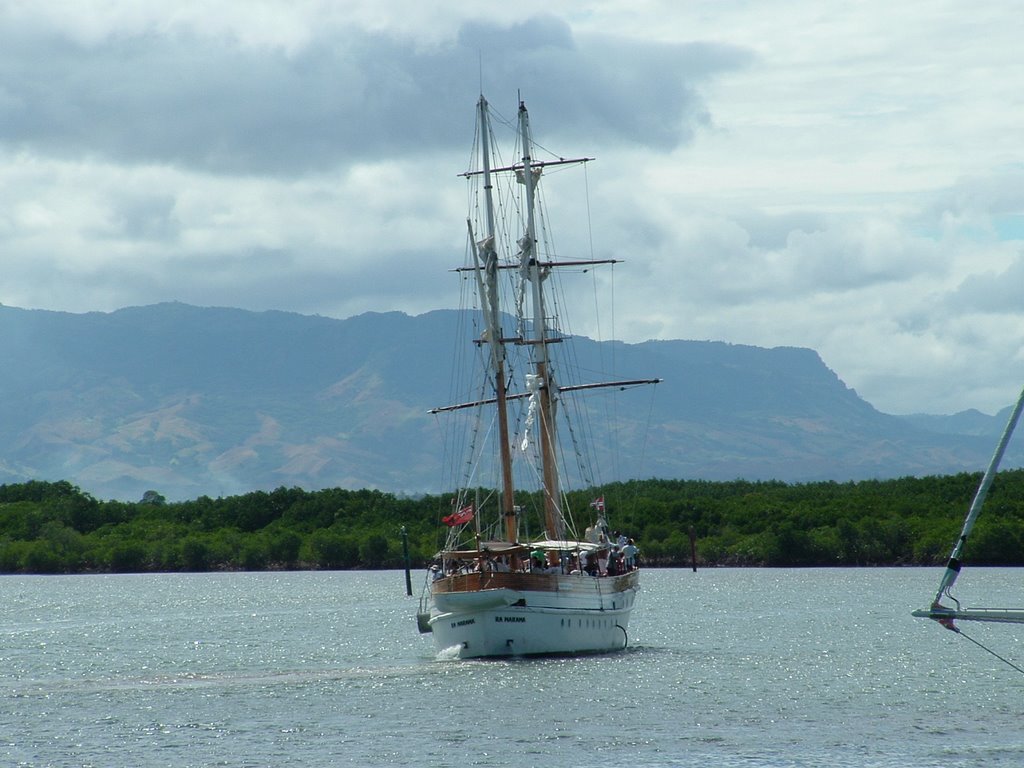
[537,562]
[614,562]
[629,555]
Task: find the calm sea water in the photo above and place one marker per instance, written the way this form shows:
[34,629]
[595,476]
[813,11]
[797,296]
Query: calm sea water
[727,667]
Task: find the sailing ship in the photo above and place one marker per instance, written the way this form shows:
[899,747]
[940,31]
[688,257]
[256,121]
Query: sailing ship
[947,615]
[495,590]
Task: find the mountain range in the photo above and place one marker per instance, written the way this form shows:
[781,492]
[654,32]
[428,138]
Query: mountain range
[193,401]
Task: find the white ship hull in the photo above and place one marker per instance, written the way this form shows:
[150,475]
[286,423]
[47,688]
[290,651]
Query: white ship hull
[488,615]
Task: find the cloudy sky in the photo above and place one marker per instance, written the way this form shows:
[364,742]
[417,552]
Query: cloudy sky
[840,176]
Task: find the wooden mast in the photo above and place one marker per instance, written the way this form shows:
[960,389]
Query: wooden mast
[487,260]
[535,274]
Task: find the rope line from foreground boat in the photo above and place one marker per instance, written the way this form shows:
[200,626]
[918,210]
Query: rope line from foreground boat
[984,648]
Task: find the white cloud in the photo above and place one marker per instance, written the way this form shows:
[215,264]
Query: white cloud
[845,177]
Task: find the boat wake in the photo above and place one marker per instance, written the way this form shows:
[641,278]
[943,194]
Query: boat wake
[450,653]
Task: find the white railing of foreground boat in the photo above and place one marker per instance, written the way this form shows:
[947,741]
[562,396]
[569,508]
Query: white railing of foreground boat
[999,615]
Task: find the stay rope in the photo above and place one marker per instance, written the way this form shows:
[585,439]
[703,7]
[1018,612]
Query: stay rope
[985,648]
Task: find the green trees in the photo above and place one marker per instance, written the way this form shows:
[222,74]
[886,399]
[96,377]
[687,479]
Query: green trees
[906,521]
[56,528]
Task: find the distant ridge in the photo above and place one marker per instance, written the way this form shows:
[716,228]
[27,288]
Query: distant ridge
[193,401]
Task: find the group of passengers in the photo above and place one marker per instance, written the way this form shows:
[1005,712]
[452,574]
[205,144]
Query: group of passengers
[614,560]
[613,555]
[606,559]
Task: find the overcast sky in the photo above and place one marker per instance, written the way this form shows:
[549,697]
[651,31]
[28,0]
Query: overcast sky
[840,176]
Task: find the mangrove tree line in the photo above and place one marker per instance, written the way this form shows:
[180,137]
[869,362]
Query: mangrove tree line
[54,527]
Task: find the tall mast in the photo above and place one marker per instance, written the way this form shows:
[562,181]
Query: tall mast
[535,275]
[487,262]
[953,566]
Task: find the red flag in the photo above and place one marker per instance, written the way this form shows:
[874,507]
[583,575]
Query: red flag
[461,517]
[598,504]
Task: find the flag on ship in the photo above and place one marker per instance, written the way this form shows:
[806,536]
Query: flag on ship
[461,517]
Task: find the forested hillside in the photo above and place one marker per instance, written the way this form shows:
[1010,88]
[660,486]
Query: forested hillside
[56,528]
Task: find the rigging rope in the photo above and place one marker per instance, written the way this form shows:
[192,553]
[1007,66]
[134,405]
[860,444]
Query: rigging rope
[985,648]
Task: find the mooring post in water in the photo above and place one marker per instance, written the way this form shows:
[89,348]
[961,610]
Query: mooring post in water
[405,553]
[693,549]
